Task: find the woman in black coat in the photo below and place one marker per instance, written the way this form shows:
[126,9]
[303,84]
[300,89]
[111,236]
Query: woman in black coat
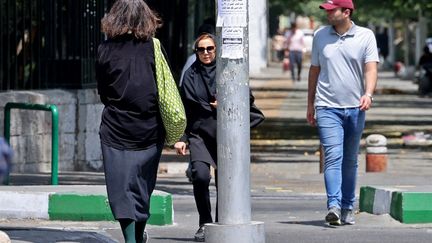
[198,92]
[131,129]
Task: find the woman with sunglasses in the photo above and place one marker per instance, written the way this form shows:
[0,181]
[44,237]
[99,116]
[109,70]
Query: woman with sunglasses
[198,91]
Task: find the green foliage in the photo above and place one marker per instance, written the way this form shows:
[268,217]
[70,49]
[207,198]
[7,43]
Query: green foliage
[302,7]
[366,10]
[393,9]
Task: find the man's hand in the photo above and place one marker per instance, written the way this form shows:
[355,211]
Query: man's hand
[314,72]
[365,102]
[371,75]
[180,148]
[310,116]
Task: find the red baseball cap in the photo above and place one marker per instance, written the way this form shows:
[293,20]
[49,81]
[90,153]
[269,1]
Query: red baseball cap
[332,4]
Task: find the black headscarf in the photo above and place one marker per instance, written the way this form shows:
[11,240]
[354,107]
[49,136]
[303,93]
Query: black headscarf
[207,73]
[199,83]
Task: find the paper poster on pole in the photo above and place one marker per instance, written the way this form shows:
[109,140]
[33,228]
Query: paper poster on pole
[232,13]
[232,43]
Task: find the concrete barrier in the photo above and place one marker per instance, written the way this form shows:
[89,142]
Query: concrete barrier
[411,205]
[73,203]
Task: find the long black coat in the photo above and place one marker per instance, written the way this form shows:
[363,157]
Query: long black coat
[201,116]
[126,78]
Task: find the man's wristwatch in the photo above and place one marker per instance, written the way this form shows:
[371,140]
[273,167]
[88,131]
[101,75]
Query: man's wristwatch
[370,96]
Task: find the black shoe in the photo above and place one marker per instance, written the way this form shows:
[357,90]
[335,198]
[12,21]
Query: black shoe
[199,235]
[333,216]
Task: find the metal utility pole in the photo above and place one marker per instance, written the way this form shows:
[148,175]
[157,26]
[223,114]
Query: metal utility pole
[233,129]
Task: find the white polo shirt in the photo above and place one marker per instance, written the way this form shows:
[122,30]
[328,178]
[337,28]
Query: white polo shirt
[342,59]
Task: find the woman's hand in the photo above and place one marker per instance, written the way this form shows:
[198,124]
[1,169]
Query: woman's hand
[180,148]
[214,104]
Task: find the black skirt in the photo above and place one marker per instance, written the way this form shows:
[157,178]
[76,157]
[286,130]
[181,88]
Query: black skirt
[130,177]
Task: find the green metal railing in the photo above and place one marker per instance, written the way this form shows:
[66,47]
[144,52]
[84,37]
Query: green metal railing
[55,131]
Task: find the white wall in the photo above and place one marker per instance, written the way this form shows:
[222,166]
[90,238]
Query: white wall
[258,31]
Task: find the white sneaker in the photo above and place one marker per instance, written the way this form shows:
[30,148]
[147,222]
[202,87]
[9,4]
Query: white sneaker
[347,216]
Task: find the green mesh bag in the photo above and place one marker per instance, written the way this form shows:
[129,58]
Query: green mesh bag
[170,104]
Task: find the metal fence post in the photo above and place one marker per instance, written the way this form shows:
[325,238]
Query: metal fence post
[54,136]
[54,144]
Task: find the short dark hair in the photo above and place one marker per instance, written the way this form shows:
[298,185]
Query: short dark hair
[133,17]
[206,28]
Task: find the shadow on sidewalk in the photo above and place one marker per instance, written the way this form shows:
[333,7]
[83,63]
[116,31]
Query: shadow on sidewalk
[318,223]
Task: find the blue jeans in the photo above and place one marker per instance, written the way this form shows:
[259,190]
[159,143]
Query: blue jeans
[340,131]
[296,59]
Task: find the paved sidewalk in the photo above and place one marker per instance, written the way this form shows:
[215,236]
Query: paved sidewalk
[292,150]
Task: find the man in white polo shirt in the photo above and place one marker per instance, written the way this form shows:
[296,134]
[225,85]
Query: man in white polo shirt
[342,79]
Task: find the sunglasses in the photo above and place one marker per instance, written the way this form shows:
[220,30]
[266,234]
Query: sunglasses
[209,49]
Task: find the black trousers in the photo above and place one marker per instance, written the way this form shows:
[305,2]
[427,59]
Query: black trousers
[201,181]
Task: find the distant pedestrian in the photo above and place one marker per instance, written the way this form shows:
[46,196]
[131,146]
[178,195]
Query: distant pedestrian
[295,45]
[382,43]
[278,43]
[425,67]
[342,79]
[426,57]
[131,131]
[199,98]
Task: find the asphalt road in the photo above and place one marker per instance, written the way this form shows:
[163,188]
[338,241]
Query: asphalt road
[295,218]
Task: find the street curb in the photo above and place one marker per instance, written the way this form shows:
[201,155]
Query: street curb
[74,207]
[24,205]
[71,206]
[405,206]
